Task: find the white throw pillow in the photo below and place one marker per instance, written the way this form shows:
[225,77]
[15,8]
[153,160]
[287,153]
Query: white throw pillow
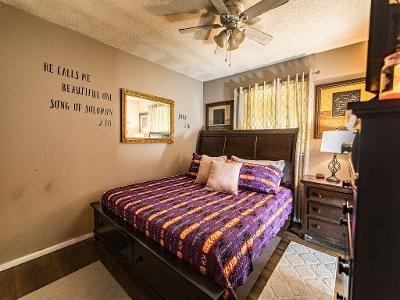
[224,177]
[280,164]
[205,167]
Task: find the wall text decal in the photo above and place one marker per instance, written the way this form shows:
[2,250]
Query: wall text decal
[184,117]
[80,90]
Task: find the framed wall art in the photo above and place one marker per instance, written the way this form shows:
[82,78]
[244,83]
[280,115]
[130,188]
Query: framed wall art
[331,103]
[219,115]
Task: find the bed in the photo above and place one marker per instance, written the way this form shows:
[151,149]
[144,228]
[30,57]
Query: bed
[206,243]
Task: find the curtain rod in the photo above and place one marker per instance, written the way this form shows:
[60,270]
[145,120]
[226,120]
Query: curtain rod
[284,78]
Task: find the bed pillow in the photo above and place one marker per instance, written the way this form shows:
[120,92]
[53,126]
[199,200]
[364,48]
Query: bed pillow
[205,167]
[264,179]
[224,177]
[280,164]
[194,165]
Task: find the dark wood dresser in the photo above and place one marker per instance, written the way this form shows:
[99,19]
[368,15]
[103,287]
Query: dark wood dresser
[322,207]
[373,269]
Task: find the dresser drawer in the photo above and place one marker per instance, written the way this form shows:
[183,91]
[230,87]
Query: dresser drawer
[161,278]
[115,239]
[326,211]
[326,229]
[335,198]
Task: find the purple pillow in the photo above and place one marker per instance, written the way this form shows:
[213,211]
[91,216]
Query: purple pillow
[264,179]
[194,165]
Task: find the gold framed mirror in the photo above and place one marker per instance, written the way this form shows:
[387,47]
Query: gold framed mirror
[146,118]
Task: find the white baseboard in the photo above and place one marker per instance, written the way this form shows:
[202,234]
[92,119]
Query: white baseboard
[45,251]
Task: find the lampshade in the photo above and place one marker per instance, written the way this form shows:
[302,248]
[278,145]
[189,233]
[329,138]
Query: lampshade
[352,119]
[232,45]
[332,140]
[220,39]
[238,36]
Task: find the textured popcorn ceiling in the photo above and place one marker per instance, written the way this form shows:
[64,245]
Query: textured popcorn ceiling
[140,27]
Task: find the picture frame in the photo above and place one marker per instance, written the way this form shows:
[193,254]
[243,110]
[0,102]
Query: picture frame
[219,115]
[143,122]
[331,103]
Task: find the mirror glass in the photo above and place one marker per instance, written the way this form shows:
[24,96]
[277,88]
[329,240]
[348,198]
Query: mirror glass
[146,118]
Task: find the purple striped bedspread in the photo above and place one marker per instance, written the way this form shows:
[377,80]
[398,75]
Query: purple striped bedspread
[218,234]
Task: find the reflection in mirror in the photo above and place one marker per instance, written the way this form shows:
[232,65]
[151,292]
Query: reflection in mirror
[146,118]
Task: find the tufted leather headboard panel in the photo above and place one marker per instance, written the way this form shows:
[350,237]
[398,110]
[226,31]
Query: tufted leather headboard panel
[271,144]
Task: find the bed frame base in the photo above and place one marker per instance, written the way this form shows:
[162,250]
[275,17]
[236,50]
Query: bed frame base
[163,273]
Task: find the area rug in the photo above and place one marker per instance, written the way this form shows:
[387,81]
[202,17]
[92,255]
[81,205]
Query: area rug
[91,282]
[302,273]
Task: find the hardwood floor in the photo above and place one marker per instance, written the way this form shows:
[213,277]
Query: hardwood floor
[30,276]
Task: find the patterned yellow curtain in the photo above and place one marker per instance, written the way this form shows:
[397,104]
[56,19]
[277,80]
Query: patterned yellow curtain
[159,117]
[281,103]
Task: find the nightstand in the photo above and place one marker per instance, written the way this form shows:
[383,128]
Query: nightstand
[322,211]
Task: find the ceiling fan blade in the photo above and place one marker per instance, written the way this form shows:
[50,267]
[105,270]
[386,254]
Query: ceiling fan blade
[176,7]
[258,35]
[262,7]
[252,21]
[197,28]
[220,6]
[182,17]
[205,19]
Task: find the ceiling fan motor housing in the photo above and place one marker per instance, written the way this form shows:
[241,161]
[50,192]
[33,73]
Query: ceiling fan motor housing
[230,22]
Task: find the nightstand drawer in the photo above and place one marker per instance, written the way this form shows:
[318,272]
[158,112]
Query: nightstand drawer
[322,210]
[327,195]
[326,229]
[326,211]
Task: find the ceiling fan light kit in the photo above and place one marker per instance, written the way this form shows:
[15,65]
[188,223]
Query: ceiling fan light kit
[238,35]
[237,22]
[220,39]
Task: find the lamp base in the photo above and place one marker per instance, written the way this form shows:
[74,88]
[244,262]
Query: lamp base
[333,166]
[333,179]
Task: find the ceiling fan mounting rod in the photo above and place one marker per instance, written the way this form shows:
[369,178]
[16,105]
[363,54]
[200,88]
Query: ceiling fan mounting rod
[235,7]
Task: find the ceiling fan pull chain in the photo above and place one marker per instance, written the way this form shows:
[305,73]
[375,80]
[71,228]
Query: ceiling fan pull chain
[216,49]
[226,51]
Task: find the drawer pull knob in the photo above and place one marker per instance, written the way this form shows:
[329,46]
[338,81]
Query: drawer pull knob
[347,209]
[343,268]
[316,226]
[339,297]
[316,209]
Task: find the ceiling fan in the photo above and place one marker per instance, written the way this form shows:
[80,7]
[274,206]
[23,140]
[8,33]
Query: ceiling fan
[237,22]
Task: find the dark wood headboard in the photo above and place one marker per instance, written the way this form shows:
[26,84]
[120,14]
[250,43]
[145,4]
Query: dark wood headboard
[271,144]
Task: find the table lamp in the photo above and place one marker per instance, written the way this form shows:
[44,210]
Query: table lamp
[332,143]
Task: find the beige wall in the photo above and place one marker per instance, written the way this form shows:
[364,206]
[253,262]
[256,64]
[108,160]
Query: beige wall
[334,65]
[53,163]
